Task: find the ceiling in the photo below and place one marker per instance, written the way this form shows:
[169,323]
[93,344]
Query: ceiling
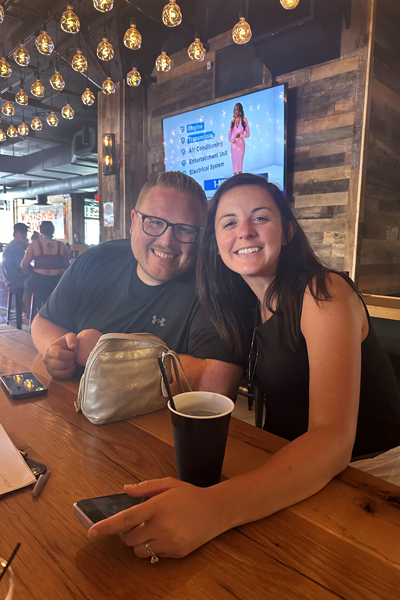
[45,155]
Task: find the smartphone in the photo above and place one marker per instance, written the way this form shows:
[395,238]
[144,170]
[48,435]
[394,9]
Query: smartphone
[23,385]
[93,510]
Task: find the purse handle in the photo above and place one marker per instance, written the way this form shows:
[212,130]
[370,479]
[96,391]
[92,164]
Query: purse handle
[177,365]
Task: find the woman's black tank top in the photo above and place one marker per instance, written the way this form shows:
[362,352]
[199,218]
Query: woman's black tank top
[284,376]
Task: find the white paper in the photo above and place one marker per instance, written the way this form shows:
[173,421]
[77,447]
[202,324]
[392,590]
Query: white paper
[14,472]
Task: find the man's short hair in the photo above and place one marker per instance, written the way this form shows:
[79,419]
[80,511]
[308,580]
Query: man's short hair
[177,181]
[20,228]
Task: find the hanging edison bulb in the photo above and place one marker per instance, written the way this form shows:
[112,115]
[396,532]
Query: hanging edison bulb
[79,62]
[108,87]
[88,97]
[23,129]
[3,136]
[57,82]
[67,111]
[52,119]
[36,124]
[44,43]
[196,50]
[163,62]
[104,50]
[1,13]
[70,21]
[21,97]
[103,5]
[21,55]
[132,38]
[12,131]
[8,109]
[241,33]
[171,14]
[289,4]
[37,88]
[5,69]
[134,78]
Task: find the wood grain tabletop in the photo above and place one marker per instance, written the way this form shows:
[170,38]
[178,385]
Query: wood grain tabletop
[341,543]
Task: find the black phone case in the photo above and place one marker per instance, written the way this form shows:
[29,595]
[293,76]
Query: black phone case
[12,390]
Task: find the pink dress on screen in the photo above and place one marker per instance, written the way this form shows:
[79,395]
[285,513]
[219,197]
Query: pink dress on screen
[238,148]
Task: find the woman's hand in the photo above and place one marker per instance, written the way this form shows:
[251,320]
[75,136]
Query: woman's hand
[177,519]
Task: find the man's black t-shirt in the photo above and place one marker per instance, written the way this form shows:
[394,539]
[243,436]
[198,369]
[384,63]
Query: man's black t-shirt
[101,290]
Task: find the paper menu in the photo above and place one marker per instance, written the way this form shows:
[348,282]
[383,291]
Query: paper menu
[14,472]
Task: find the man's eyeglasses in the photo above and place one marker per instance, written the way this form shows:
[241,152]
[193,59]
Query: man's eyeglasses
[253,358]
[186,234]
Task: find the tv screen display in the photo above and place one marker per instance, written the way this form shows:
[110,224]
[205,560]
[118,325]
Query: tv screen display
[210,144]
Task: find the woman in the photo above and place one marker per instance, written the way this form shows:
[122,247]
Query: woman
[50,258]
[330,388]
[238,131]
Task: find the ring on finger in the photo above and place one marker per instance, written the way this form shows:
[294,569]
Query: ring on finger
[153,556]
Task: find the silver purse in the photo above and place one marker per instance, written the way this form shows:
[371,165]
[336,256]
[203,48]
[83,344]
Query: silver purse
[122,377]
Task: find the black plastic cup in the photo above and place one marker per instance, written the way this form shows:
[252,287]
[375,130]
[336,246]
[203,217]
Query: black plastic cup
[200,439]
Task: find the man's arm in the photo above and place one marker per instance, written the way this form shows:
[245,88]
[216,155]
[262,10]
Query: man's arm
[210,375]
[44,333]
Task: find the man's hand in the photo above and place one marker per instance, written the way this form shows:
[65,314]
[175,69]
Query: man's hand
[87,339]
[60,356]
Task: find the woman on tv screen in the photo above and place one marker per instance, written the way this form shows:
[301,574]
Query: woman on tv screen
[238,131]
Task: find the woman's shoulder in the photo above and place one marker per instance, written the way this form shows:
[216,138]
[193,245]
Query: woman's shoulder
[328,290]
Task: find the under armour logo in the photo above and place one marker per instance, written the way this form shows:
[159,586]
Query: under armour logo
[160,321]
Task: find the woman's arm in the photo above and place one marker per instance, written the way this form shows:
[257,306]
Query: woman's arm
[231,136]
[246,132]
[65,255]
[180,517]
[28,257]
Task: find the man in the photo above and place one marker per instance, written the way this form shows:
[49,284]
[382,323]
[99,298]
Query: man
[107,290]
[12,257]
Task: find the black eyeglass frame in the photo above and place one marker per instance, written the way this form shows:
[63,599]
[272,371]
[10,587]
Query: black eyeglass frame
[168,224]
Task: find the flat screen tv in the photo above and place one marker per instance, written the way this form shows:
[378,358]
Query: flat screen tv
[200,142]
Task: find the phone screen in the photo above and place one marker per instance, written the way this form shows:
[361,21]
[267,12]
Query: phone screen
[103,507]
[23,385]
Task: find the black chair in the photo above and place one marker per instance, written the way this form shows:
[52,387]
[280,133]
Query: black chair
[388,332]
[18,295]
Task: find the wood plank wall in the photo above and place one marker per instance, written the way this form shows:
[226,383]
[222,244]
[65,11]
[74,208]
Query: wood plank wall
[326,111]
[379,260]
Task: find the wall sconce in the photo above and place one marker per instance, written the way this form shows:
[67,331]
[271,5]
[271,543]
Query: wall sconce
[108,158]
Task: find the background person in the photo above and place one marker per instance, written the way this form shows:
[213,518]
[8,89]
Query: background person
[13,274]
[145,284]
[330,387]
[238,131]
[50,259]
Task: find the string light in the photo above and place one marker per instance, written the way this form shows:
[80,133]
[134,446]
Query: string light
[1,13]
[70,21]
[8,109]
[132,38]
[289,4]
[57,82]
[21,97]
[37,88]
[163,62]
[52,119]
[108,87]
[196,50]
[103,5]
[134,78]
[44,43]
[67,111]
[88,97]
[21,55]
[104,50]
[171,14]
[23,129]
[36,124]
[12,131]
[241,33]
[3,136]
[79,62]
[5,69]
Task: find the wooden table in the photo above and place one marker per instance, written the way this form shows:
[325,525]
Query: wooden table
[342,543]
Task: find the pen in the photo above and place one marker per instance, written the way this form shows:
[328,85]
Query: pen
[41,482]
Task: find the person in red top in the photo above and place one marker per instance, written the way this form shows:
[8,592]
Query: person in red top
[50,259]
